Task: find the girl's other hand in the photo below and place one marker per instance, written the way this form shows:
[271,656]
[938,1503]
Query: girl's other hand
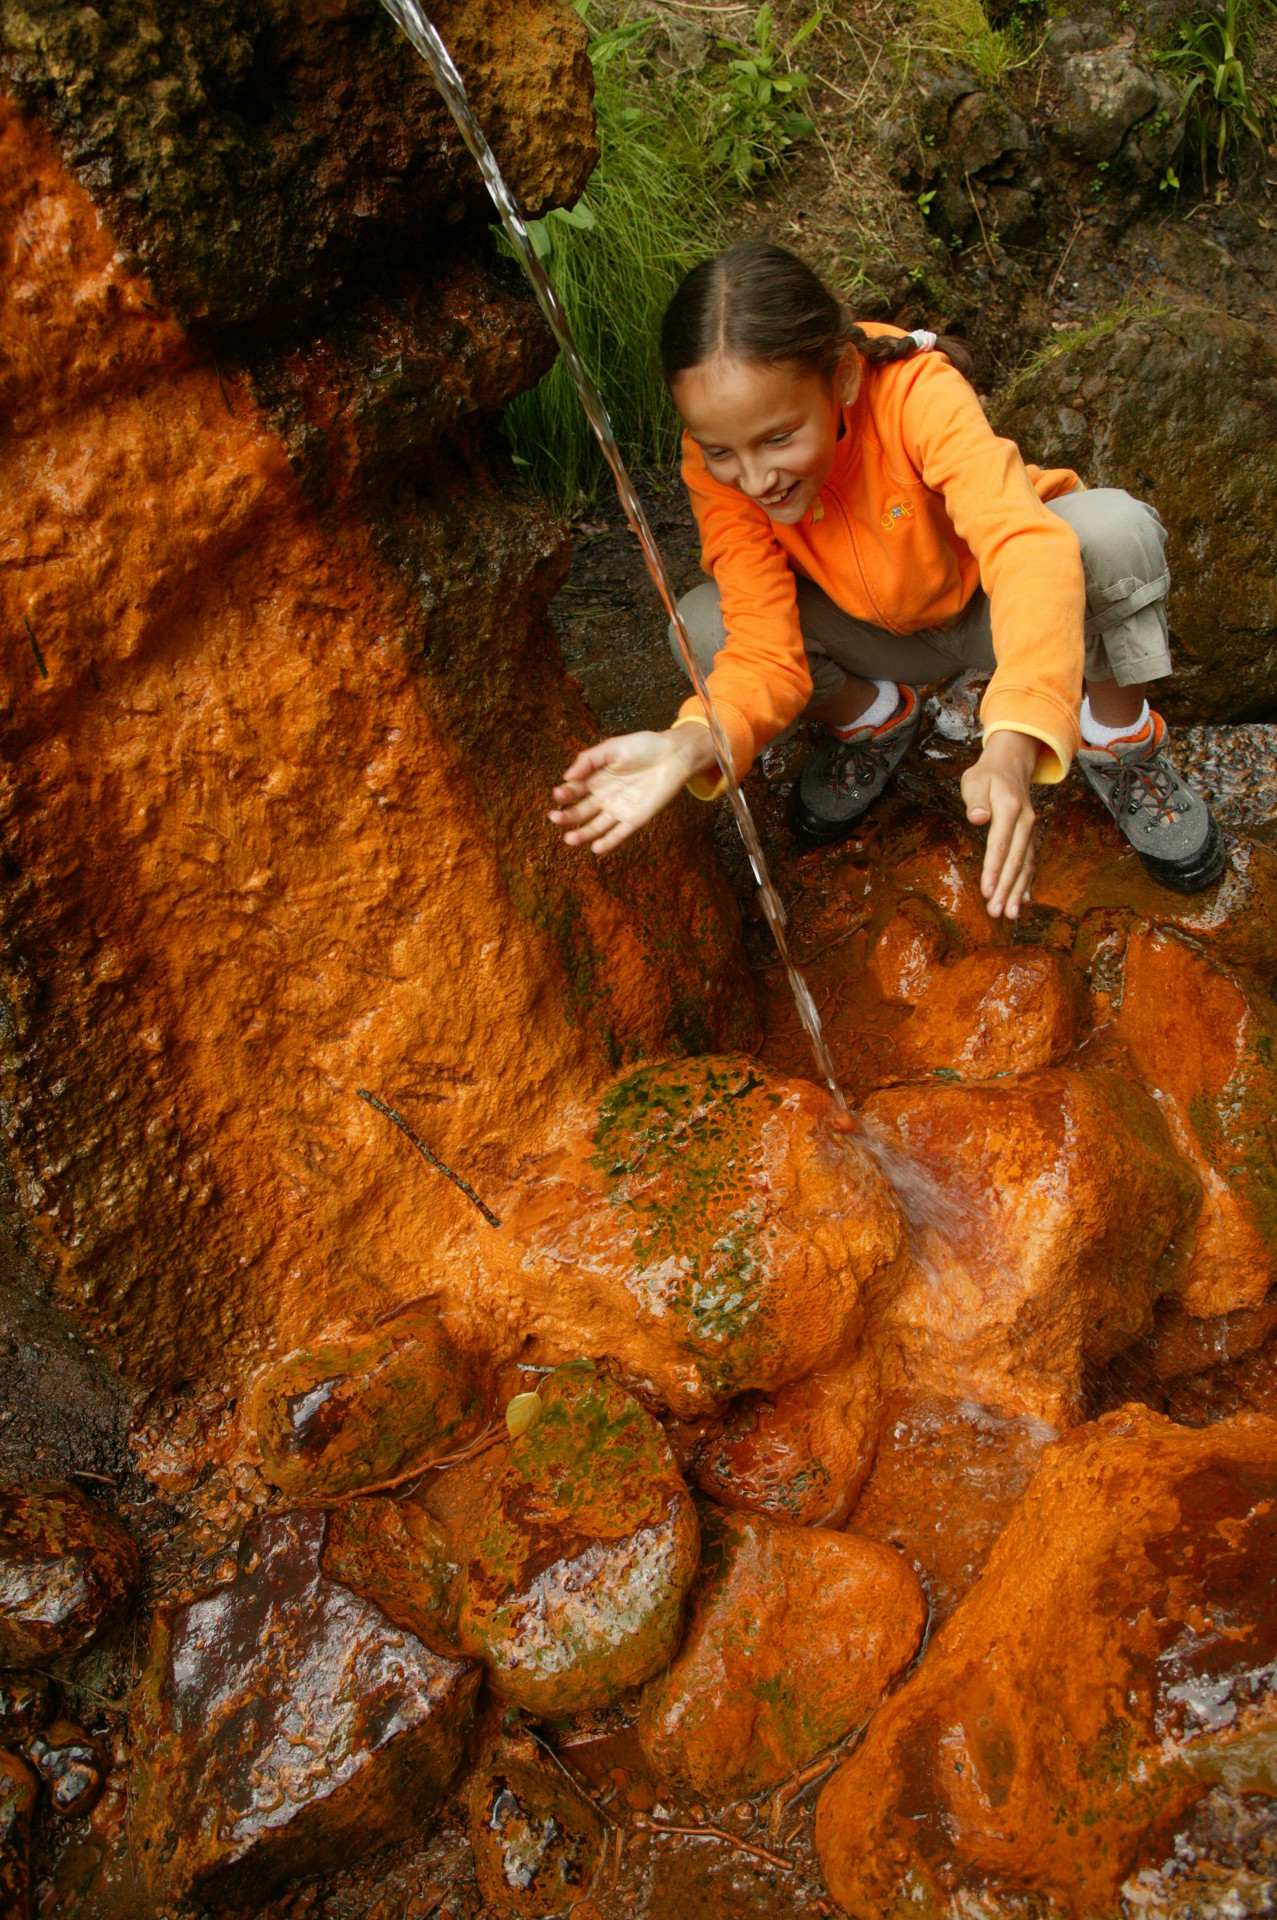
[996,792]
[616,787]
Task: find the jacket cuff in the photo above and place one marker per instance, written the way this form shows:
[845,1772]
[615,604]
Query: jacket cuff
[740,738]
[1023,710]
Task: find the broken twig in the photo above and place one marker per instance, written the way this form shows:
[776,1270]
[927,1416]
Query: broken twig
[645,1824]
[432,1159]
[39,657]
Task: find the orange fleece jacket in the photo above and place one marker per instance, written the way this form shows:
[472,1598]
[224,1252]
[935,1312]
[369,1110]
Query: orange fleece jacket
[923,504]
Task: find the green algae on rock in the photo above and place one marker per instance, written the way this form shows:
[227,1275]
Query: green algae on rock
[393,1553]
[66,1569]
[793,1636]
[356,1413]
[583,1555]
[537,1841]
[283,1726]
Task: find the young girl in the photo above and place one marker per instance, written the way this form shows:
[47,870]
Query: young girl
[868,533]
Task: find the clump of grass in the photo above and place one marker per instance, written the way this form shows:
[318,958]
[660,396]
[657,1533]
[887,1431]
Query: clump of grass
[673,161]
[1211,60]
[961,30]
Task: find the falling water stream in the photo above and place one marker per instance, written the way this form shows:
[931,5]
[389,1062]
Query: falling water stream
[410,16]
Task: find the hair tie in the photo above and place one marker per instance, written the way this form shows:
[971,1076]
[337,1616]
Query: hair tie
[924,339]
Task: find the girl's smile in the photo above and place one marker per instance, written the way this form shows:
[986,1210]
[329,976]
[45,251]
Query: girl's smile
[767,429]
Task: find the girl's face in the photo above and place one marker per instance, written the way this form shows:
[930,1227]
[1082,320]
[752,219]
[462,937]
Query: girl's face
[769,431]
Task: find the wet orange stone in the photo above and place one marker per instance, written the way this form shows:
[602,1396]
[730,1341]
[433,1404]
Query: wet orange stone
[66,1569]
[1103,1673]
[1029,1268]
[995,1012]
[395,1554]
[799,1453]
[793,1635]
[1203,1040]
[908,951]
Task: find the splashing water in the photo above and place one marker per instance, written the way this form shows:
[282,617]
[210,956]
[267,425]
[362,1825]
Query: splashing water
[409,15]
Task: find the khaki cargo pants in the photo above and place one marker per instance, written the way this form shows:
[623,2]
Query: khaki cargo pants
[1123,557]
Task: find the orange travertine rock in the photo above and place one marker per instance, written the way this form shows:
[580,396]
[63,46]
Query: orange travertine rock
[575,1569]
[396,1555]
[357,1413]
[993,1012]
[282,1726]
[907,953]
[1203,1041]
[66,1569]
[707,1228]
[793,1636]
[1031,1271]
[537,1841]
[1109,1666]
[799,1453]
[945,1480]
[255,854]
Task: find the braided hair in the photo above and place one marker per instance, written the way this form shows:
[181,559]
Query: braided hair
[759,302]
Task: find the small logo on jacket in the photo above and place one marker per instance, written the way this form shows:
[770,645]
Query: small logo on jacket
[894,515]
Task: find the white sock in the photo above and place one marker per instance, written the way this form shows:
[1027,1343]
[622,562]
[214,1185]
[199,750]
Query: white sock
[1096,735]
[878,711]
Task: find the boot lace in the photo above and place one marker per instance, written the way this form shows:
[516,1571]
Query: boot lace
[1145,786]
[856,763]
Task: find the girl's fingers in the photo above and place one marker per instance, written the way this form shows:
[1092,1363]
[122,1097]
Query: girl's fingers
[564,795]
[1019,896]
[583,836]
[578,815]
[1004,810]
[620,831]
[1021,842]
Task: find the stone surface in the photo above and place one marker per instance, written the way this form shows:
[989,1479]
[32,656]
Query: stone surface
[708,1229]
[1180,408]
[71,1766]
[1029,1272]
[793,1636]
[537,1842]
[1203,1041]
[17,1804]
[252,157]
[66,1570]
[995,1012]
[1105,94]
[357,1413]
[575,1581]
[1113,1662]
[905,956]
[282,1726]
[394,1554]
[25,1705]
[222,912]
[946,1478]
[800,1453]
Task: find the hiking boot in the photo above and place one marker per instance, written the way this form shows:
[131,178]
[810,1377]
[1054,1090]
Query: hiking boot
[1171,828]
[844,777]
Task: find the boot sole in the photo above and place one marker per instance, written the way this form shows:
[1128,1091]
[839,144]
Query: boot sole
[1195,875]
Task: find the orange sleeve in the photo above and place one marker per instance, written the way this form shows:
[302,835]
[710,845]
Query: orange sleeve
[760,680]
[1029,559]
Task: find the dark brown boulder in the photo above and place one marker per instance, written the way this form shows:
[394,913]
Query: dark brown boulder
[66,1568]
[17,1802]
[283,1726]
[71,1766]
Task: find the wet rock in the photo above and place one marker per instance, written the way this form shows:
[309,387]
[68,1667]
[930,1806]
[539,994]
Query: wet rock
[356,1413]
[1113,1661]
[799,1453]
[17,1803]
[394,1554]
[71,1766]
[946,1478]
[1105,93]
[282,1726]
[582,1555]
[908,951]
[66,1570]
[25,1705]
[793,1636]
[1203,1040]
[995,1012]
[1029,1268]
[1181,410]
[537,1841]
[707,1228]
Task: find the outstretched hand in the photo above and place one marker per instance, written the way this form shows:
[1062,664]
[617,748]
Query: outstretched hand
[612,789]
[996,792]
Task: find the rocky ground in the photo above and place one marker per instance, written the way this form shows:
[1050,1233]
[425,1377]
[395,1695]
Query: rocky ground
[762,1519]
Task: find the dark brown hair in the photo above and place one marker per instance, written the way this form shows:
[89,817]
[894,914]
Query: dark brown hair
[762,303]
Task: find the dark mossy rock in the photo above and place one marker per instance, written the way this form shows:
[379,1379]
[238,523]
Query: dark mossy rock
[356,1413]
[17,1803]
[537,1842]
[251,154]
[283,1726]
[582,1558]
[396,1555]
[1180,408]
[66,1569]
